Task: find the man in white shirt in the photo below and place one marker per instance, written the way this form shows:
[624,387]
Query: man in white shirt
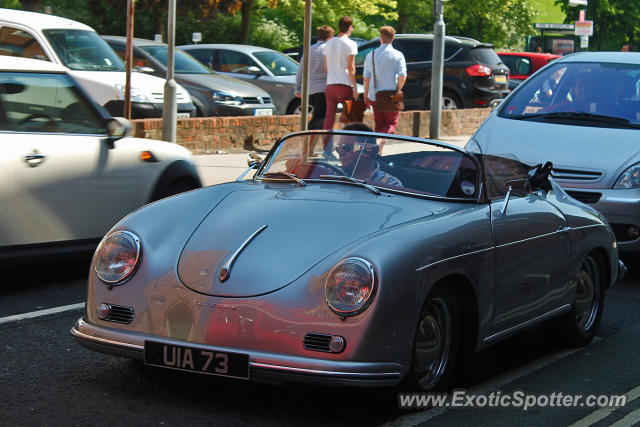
[390,74]
[317,77]
[340,64]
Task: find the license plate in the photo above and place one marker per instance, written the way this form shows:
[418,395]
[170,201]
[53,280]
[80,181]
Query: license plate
[500,78]
[264,112]
[198,360]
[183,115]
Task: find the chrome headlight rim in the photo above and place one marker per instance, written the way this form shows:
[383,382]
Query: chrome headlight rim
[373,282]
[133,238]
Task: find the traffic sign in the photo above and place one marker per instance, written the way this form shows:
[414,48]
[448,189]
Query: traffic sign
[583,28]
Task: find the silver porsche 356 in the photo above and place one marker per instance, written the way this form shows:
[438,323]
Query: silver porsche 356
[372,265]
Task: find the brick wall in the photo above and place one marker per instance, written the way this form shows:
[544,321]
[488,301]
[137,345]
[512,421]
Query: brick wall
[209,134]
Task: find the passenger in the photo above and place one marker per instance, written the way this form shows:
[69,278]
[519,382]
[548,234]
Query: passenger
[358,155]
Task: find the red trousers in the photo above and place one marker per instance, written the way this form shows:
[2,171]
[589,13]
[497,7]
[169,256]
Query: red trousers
[386,122]
[335,94]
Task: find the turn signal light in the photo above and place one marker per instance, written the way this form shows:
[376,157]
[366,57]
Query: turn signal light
[147,156]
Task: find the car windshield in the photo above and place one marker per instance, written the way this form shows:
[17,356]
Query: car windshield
[83,50]
[392,163]
[43,102]
[278,63]
[183,62]
[585,91]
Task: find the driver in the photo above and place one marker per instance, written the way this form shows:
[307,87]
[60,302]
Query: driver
[358,155]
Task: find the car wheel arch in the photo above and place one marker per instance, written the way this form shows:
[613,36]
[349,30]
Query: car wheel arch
[179,173]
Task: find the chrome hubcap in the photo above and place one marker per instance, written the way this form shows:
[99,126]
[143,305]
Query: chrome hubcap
[587,298]
[448,104]
[433,343]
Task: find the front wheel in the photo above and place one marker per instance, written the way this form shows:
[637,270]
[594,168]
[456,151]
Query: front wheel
[577,327]
[436,343]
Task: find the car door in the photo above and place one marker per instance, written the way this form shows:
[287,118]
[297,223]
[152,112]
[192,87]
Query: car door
[532,246]
[66,181]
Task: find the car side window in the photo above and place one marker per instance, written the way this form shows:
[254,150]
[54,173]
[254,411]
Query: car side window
[206,56]
[43,102]
[363,52]
[417,50]
[235,62]
[16,42]
[502,173]
[517,65]
[138,60]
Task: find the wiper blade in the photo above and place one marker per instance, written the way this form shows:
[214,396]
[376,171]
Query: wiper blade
[353,180]
[576,115]
[287,174]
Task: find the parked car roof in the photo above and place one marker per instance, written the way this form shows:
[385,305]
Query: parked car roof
[26,64]
[41,20]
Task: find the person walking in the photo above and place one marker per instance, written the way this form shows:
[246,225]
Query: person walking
[317,77]
[390,73]
[340,65]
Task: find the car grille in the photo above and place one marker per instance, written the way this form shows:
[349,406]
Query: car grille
[256,100]
[576,175]
[120,314]
[317,342]
[585,196]
[156,97]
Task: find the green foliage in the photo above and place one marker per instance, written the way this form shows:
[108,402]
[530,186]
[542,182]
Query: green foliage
[615,22]
[548,11]
[10,4]
[272,34]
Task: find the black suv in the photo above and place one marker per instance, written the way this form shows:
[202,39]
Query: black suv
[473,74]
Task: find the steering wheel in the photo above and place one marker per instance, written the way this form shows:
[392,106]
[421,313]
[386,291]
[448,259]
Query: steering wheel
[323,168]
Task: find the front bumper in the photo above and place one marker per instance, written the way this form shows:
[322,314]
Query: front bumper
[263,366]
[620,207]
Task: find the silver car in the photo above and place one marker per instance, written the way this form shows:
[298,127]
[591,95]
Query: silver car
[269,69]
[367,269]
[582,112]
[69,172]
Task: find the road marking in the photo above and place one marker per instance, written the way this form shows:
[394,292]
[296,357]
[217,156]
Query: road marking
[631,419]
[487,386]
[602,413]
[39,313]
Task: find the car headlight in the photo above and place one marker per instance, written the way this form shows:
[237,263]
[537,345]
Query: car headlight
[117,257]
[630,178]
[136,94]
[350,286]
[226,98]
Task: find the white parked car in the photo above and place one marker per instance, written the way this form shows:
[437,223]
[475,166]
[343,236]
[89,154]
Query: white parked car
[68,172]
[92,63]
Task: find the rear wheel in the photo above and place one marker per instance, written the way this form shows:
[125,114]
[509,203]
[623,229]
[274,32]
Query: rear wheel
[437,342]
[577,327]
[450,101]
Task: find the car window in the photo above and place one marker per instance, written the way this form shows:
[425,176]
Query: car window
[83,50]
[42,102]
[517,64]
[234,62]
[363,51]
[183,62]
[504,172]
[599,88]
[138,60]
[278,63]
[206,57]
[416,50]
[392,163]
[485,55]
[16,42]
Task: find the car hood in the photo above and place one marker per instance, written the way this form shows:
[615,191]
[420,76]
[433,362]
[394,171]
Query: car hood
[575,149]
[223,83]
[303,226]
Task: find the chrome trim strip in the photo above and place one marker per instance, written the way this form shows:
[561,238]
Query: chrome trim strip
[91,338]
[529,322]
[619,200]
[225,271]
[319,372]
[455,257]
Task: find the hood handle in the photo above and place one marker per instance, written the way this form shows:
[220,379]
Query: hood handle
[225,271]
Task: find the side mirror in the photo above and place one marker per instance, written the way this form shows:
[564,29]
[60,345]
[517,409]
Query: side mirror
[540,178]
[254,70]
[117,128]
[146,70]
[254,159]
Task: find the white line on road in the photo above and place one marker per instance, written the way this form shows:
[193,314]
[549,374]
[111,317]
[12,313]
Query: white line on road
[39,313]
[602,413]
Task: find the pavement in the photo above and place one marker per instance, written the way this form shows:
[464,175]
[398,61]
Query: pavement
[224,167]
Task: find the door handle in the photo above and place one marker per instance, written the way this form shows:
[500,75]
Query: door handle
[34,159]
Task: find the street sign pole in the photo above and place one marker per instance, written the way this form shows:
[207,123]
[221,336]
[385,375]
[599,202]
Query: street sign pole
[169,105]
[436,70]
[128,59]
[306,43]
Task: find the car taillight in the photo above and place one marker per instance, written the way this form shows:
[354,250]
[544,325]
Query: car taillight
[478,70]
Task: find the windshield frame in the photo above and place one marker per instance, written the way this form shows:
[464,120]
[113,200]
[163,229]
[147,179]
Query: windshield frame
[273,155]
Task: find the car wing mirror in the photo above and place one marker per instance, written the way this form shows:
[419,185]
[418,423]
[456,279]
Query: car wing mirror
[540,178]
[117,128]
[254,70]
[254,159]
[146,70]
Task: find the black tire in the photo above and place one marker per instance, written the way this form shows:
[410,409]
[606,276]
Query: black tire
[437,341]
[577,327]
[174,188]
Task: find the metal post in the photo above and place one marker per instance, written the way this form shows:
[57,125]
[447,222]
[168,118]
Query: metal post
[169,106]
[306,43]
[436,70]
[128,58]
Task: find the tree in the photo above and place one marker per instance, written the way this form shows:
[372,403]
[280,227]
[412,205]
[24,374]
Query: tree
[615,22]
